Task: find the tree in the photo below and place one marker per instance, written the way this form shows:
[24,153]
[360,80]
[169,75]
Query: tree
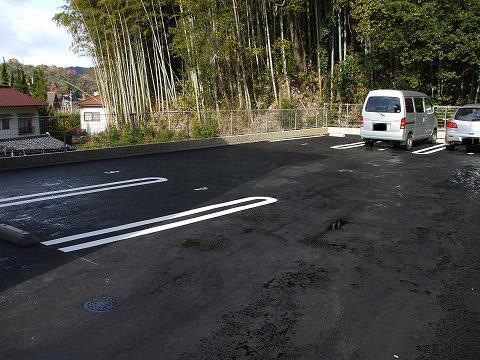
[39,84]
[4,74]
[155,55]
[20,80]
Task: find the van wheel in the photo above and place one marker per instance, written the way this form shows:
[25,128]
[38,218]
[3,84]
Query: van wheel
[369,143]
[409,143]
[433,137]
[450,147]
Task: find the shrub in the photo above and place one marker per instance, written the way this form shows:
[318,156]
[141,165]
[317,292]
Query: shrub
[124,135]
[288,116]
[60,123]
[206,129]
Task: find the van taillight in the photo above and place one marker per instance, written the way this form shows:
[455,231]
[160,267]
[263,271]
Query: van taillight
[452,125]
[403,123]
[362,120]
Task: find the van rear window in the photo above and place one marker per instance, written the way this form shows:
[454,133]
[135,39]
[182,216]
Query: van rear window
[468,114]
[383,104]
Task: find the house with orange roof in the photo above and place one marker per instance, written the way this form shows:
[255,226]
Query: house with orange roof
[93,115]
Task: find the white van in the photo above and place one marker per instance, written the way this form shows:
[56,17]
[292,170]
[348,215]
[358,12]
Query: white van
[399,117]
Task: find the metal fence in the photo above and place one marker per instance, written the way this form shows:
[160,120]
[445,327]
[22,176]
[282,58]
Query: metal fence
[348,115]
[445,113]
[22,135]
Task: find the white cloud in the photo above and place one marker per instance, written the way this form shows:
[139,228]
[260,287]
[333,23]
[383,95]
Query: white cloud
[30,35]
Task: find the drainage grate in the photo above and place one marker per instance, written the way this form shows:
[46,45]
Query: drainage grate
[337,225]
[101,305]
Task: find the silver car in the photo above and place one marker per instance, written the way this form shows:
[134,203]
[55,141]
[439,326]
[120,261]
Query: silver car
[464,128]
[398,117]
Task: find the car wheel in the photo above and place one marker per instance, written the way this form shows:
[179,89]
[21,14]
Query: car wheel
[433,137]
[450,147]
[409,143]
[369,143]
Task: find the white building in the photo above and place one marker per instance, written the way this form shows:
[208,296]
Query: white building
[93,115]
[18,114]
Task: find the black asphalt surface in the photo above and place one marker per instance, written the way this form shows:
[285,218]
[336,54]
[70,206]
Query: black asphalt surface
[398,280]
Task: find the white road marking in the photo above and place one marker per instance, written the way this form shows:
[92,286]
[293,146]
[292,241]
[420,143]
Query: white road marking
[112,172]
[430,150]
[296,138]
[201,189]
[348,146]
[25,199]
[259,201]
[147,222]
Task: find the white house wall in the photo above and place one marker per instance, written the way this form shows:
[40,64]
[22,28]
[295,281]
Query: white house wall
[94,127]
[14,113]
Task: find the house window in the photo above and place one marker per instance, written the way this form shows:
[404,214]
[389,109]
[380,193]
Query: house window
[25,124]
[91,116]
[5,122]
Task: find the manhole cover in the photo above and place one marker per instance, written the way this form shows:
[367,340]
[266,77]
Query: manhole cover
[101,305]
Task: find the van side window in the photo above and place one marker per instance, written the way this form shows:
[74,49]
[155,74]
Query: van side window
[428,106]
[409,106]
[419,105]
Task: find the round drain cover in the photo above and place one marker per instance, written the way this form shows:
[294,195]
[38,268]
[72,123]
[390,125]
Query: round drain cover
[101,305]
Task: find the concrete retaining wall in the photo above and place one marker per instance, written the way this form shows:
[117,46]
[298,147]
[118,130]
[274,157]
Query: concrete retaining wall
[23,162]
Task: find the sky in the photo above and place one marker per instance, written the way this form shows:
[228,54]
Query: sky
[29,34]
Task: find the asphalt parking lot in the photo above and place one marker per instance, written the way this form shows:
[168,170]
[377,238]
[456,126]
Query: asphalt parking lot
[316,248]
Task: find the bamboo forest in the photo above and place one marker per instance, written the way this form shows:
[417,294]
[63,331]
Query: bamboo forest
[160,55]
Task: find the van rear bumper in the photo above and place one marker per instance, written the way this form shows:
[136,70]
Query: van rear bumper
[382,135]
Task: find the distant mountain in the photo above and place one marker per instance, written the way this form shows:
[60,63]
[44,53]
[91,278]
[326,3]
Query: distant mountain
[78,69]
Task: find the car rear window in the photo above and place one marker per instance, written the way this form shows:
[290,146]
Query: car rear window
[468,114]
[383,104]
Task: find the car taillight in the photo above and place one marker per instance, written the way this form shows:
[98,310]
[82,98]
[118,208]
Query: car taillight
[452,125]
[403,123]
[362,120]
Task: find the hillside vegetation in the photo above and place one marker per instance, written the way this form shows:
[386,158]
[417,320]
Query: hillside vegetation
[36,80]
[154,55]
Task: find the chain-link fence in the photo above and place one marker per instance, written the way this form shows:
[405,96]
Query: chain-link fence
[25,134]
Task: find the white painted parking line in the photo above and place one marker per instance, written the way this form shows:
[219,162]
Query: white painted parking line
[25,199]
[296,138]
[254,202]
[430,150]
[151,221]
[348,146]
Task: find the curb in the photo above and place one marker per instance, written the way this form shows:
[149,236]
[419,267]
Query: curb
[17,236]
[32,161]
